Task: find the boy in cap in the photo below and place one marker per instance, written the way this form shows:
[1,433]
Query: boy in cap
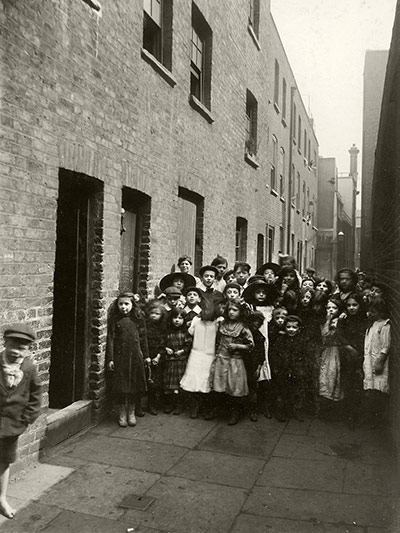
[20,400]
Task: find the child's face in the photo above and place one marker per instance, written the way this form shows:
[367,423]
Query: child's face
[192,298]
[345,281]
[155,315]
[269,275]
[289,278]
[231,278]
[306,298]
[375,293]
[332,309]
[280,318]
[172,300]
[322,286]
[260,294]
[208,278]
[184,267]
[256,324]
[352,306]
[125,305]
[307,284]
[221,269]
[178,283]
[242,276]
[292,328]
[231,293]
[15,348]
[233,312]
[177,321]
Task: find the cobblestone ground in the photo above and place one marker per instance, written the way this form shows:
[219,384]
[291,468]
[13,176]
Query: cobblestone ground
[210,477]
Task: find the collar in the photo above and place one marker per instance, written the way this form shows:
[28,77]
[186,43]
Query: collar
[196,309]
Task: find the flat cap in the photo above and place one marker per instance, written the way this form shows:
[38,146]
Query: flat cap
[19,331]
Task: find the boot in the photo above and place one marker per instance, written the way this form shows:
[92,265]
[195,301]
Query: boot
[253,415]
[122,420]
[178,405]
[138,407]
[168,404]
[194,406]
[131,415]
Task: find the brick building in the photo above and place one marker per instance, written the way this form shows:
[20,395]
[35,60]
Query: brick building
[385,209]
[132,134]
[374,77]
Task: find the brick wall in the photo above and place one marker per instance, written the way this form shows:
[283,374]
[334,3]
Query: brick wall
[76,94]
[386,214]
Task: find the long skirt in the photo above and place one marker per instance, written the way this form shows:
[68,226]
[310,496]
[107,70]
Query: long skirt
[228,374]
[329,375]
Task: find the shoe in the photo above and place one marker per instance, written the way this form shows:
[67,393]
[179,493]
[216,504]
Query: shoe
[131,416]
[178,408]
[253,416]
[194,411]
[211,415]
[267,413]
[234,419]
[152,410]
[280,415]
[122,419]
[168,408]
[139,412]
[298,416]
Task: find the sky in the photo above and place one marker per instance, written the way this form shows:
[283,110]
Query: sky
[325,41]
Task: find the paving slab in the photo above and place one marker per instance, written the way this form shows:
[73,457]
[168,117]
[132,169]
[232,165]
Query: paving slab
[246,439]
[30,518]
[247,523]
[304,447]
[37,480]
[147,456]
[298,428]
[97,489]
[167,429]
[304,474]
[369,479]
[70,522]
[185,506]
[351,509]
[219,468]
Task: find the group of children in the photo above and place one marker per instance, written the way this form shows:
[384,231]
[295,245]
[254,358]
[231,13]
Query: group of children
[275,343]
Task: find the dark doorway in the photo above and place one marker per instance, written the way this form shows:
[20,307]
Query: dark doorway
[79,222]
[189,235]
[135,241]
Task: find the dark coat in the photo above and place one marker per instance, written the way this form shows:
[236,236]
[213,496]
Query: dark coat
[20,405]
[127,347]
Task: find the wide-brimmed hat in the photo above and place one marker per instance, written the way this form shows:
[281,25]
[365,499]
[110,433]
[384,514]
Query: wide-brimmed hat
[271,293]
[271,266]
[208,267]
[19,331]
[168,280]
[254,278]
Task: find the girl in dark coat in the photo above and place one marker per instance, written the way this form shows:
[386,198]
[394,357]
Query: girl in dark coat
[125,353]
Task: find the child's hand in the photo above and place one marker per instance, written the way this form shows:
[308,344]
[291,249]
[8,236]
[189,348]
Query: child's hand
[169,351]
[178,353]
[111,365]
[156,360]
[147,360]
[231,347]
[378,368]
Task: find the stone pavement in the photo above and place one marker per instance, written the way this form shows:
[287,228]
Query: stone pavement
[210,477]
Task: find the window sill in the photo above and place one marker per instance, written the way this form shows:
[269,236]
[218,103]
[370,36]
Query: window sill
[254,36]
[284,122]
[293,206]
[251,160]
[282,199]
[294,141]
[274,193]
[201,108]
[315,228]
[299,151]
[277,108]
[159,67]
[298,211]
[304,219]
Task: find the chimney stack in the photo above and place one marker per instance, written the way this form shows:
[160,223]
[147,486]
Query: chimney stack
[353,151]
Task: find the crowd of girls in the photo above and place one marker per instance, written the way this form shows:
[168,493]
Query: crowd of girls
[228,343]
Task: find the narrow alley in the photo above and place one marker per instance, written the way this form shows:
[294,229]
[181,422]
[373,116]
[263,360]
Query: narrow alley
[198,476]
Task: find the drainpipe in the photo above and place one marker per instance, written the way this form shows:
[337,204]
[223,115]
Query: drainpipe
[291,178]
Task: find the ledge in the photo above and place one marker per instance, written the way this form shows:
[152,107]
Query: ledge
[315,228]
[201,108]
[284,122]
[277,108]
[299,151]
[298,211]
[254,36]
[274,192]
[251,160]
[293,206]
[282,199]
[304,219]
[159,67]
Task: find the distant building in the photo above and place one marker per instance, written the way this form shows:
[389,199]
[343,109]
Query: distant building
[374,77]
[336,219]
[132,133]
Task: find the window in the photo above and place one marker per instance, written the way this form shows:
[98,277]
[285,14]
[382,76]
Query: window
[299,134]
[260,250]
[241,239]
[309,151]
[251,124]
[304,199]
[298,192]
[276,86]
[273,163]
[305,143]
[254,16]
[305,255]
[270,230]
[189,234]
[282,238]
[292,185]
[294,123]
[284,98]
[283,172]
[157,30]
[299,253]
[292,245]
[200,58]
[308,205]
